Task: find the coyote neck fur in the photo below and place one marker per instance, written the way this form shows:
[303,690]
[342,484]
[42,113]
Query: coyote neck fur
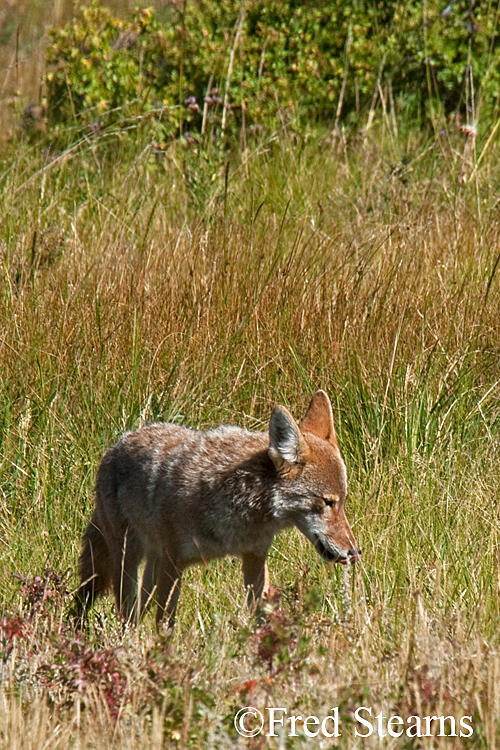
[228,461]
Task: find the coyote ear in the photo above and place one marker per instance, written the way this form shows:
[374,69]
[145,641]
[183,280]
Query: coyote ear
[319,418]
[286,443]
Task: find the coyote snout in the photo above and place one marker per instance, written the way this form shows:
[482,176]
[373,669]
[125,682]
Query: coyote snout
[178,497]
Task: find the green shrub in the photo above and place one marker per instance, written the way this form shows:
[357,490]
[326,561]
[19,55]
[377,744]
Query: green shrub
[259,64]
[101,66]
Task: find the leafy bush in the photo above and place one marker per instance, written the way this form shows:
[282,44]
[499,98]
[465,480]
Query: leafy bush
[104,65]
[274,63]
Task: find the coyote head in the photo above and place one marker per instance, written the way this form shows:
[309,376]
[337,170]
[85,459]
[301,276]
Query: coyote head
[312,479]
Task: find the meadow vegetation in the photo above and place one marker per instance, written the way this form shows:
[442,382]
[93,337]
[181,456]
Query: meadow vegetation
[203,282]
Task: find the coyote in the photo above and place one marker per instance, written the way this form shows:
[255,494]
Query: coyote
[178,497]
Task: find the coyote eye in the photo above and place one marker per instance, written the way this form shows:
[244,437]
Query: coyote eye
[330,500]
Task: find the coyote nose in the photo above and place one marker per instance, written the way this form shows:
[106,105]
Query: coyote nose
[354,554]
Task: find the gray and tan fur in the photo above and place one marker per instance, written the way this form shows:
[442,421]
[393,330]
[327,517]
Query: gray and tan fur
[178,497]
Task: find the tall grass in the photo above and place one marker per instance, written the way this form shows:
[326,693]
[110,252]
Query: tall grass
[139,287]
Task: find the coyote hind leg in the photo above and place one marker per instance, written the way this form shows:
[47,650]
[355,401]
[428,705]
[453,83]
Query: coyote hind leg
[126,559]
[94,568]
[149,585]
[167,595]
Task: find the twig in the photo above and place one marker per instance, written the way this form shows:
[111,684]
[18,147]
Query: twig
[239,26]
[205,106]
[344,80]
[371,114]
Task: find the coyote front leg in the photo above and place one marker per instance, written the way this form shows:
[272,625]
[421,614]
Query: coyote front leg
[256,576]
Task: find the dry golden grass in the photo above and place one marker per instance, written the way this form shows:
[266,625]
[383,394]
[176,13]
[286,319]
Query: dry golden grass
[136,289]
